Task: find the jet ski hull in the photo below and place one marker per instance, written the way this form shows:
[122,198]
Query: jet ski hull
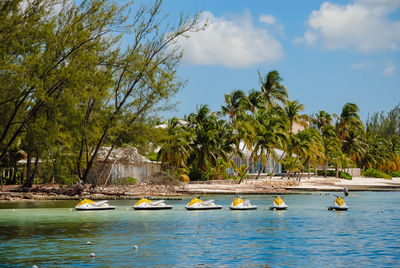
[338,208]
[204,208]
[277,208]
[243,208]
[153,208]
[94,208]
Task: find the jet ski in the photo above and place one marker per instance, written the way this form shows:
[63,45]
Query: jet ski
[278,204]
[240,204]
[87,204]
[338,204]
[146,204]
[198,204]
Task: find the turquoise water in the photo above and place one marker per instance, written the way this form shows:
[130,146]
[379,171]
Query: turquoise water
[48,233]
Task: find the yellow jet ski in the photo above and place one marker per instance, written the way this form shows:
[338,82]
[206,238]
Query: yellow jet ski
[338,204]
[198,204]
[278,204]
[240,204]
[146,204]
[87,204]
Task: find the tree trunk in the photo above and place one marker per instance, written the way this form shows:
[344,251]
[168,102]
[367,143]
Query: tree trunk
[28,182]
[244,173]
[103,166]
[109,174]
[259,171]
[309,166]
[242,176]
[276,165]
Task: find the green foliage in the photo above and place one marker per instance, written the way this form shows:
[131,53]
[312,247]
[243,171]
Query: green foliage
[152,156]
[345,175]
[332,173]
[384,124]
[195,174]
[125,181]
[374,173]
[70,86]
[395,174]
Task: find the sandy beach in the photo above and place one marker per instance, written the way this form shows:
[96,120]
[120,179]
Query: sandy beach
[261,186]
[277,185]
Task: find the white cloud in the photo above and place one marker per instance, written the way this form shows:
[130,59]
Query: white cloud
[363,65]
[268,19]
[232,42]
[390,68]
[363,25]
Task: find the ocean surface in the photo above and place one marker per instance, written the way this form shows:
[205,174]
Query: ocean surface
[51,234]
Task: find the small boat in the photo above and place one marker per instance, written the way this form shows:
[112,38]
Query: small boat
[278,204]
[198,204]
[240,204]
[146,204]
[339,204]
[87,204]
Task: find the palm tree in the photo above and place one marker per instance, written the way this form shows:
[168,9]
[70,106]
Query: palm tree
[331,145]
[292,111]
[304,145]
[270,134]
[321,119]
[354,146]
[316,152]
[272,88]
[234,104]
[212,139]
[348,119]
[175,149]
[254,101]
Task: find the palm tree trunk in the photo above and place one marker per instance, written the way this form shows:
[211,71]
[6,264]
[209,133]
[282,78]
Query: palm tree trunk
[276,165]
[244,173]
[259,171]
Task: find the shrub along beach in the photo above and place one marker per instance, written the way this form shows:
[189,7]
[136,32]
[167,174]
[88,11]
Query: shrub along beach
[70,94]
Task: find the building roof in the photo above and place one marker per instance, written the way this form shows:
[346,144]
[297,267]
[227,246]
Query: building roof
[247,152]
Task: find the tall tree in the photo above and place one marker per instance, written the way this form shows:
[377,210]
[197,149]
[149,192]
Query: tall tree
[348,120]
[254,101]
[272,88]
[234,104]
[322,119]
[292,111]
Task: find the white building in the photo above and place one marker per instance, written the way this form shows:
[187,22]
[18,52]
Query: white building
[255,167]
[122,163]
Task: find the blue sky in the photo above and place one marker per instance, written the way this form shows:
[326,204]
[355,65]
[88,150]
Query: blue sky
[328,52]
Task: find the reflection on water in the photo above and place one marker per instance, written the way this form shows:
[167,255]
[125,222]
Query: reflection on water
[48,233]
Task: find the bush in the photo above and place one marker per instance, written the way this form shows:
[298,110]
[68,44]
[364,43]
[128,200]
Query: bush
[125,181]
[374,173]
[152,156]
[332,173]
[345,175]
[395,174]
[329,173]
[194,174]
[184,178]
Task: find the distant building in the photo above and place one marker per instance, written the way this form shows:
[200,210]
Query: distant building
[122,163]
[270,167]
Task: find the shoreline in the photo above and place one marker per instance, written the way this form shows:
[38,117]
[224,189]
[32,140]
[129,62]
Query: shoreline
[249,187]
